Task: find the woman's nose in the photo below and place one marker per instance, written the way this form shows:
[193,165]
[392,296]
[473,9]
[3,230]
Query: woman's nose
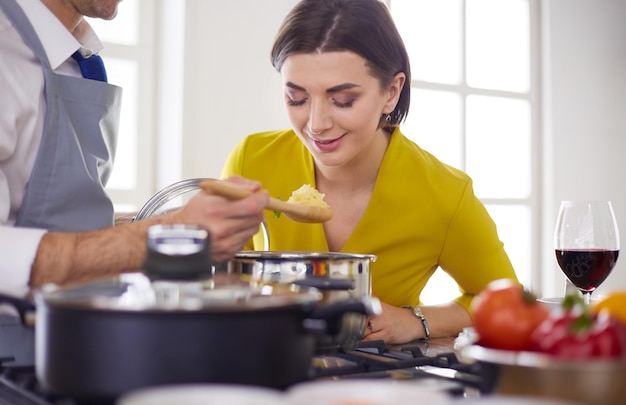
[319,118]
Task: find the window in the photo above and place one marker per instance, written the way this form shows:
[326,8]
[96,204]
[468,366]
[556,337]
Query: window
[475,106]
[130,59]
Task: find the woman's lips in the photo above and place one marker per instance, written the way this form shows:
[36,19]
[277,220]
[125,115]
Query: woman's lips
[327,145]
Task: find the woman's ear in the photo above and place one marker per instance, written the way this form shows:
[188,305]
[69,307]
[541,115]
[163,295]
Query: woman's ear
[393,92]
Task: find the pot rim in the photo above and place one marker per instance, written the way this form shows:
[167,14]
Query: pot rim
[281,255]
[135,293]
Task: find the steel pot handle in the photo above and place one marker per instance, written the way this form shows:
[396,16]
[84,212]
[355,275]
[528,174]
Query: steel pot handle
[24,307]
[326,319]
[322,283]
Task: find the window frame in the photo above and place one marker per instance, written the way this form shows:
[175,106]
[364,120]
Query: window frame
[533,97]
[144,55]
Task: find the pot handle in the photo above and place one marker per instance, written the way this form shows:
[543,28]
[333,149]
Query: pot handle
[322,283]
[326,319]
[24,306]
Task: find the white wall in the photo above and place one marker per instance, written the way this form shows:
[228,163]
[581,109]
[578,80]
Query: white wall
[584,86]
[243,94]
[585,115]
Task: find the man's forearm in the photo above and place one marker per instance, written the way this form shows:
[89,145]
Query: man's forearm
[124,217]
[65,258]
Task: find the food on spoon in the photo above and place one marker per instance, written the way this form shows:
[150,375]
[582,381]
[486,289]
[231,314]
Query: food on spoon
[307,195]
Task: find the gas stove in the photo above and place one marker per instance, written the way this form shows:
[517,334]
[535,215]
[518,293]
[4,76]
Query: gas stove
[433,363]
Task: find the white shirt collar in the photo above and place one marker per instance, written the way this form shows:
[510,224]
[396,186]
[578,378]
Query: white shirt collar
[57,41]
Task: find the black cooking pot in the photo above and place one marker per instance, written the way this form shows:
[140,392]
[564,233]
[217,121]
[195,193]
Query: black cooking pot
[99,340]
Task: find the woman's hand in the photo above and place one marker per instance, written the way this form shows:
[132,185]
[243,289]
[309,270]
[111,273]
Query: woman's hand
[231,223]
[396,325]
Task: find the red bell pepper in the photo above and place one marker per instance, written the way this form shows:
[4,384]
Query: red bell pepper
[577,334]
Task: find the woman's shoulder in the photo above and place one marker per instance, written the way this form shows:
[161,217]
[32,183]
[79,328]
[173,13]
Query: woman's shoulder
[263,154]
[418,160]
[277,136]
[271,143]
[260,144]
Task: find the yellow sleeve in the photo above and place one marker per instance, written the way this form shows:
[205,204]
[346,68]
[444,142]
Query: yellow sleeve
[472,246]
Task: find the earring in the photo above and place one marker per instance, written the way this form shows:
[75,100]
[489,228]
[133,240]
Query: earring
[386,117]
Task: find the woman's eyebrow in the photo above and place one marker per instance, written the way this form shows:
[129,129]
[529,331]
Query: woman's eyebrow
[334,89]
[340,87]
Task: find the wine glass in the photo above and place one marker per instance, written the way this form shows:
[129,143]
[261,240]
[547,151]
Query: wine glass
[586,243]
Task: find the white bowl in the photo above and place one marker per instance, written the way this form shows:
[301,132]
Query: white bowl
[203,394]
[366,392]
[509,400]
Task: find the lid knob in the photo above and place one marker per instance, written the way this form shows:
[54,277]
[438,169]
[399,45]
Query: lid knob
[178,252]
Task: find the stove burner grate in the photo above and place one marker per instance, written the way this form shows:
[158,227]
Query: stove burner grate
[19,386]
[376,360]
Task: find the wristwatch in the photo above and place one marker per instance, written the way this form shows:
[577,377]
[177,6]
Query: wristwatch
[417,311]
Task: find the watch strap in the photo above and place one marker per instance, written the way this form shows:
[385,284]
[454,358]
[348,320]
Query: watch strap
[417,312]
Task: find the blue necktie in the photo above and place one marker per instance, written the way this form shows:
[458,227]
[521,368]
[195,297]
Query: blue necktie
[91,67]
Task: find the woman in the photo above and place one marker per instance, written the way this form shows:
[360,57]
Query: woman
[346,80]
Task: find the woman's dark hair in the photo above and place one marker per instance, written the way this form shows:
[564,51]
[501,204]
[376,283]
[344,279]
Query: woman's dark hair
[364,27]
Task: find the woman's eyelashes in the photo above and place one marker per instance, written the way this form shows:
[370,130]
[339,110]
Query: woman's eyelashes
[343,104]
[295,103]
[292,102]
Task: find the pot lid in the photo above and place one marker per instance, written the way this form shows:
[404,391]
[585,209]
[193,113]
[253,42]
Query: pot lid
[222,293]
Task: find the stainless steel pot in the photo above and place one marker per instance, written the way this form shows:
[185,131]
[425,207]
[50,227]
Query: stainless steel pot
[339,276]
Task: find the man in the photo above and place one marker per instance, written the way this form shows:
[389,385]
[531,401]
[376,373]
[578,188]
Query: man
[58,133]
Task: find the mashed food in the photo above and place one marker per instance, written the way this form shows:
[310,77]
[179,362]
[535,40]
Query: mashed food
[307,195]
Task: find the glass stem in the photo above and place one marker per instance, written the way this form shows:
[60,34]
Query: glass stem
[587,297]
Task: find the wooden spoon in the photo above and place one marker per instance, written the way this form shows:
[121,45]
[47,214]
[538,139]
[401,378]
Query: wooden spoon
[293,211]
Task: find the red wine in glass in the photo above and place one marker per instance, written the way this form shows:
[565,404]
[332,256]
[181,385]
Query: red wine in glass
[586,269]
[586,243]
